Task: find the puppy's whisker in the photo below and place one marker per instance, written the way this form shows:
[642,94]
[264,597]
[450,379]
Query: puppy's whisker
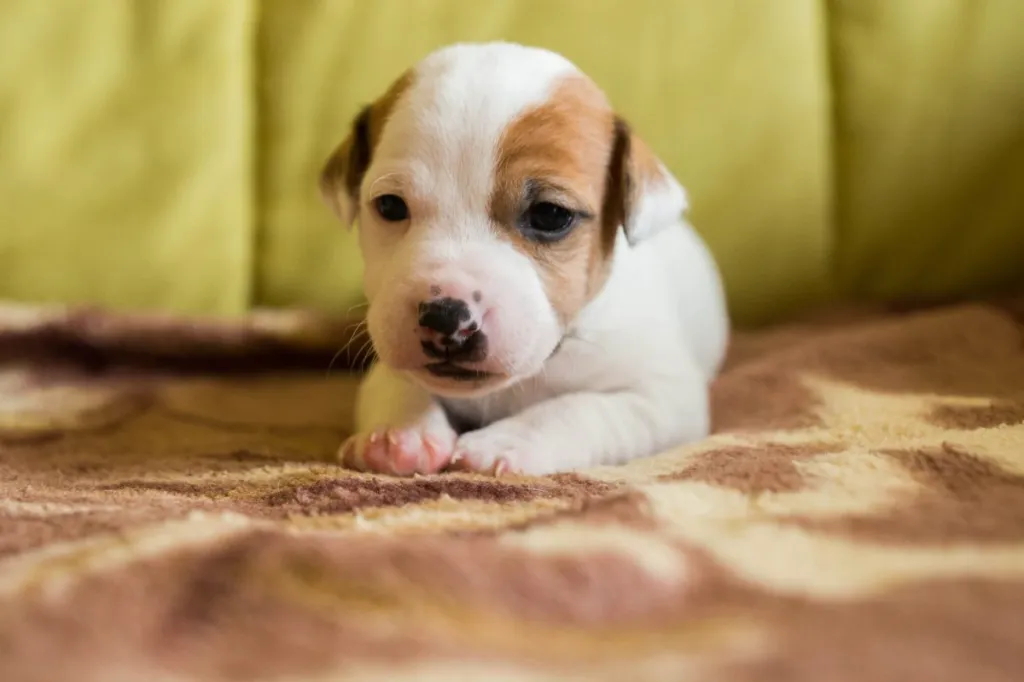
[357,306]
[353,331]
[334,359]
[366,353]
[358,357]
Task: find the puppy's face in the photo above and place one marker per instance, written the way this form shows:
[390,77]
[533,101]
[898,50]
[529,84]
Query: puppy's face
[490,183]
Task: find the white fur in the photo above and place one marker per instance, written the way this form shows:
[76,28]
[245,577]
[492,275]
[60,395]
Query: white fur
[439,152]
[660,206]
[631,381]
[632,374]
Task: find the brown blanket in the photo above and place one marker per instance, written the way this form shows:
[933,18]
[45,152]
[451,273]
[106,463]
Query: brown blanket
[169,511]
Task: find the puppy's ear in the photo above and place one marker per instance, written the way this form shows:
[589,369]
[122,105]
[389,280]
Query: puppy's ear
[342,175]
[642,193]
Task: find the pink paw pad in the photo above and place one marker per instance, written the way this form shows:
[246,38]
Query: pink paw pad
[500,467]
[399,452]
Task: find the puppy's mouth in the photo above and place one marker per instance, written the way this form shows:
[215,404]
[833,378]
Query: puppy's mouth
[450,370]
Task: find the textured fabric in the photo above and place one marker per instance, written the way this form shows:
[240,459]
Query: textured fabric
[126,135]
[858,515]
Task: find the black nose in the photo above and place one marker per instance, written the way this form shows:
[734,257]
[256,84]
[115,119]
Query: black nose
[452,333]
[444,315]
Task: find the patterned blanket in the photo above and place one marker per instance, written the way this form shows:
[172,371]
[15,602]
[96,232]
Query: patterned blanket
[169,510]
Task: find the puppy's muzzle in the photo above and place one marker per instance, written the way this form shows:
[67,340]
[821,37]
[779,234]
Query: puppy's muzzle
[449,331]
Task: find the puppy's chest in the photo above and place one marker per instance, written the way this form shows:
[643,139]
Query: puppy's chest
[566,374]
[472,414]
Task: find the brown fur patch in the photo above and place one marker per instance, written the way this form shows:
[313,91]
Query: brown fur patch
[565,143]
[640,170]
[643,164]
[381,109]
[346,166]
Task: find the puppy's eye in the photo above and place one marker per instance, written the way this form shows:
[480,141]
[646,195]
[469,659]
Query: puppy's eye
[391,208]
[548,221]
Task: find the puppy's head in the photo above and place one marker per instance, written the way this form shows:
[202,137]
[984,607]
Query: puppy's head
[491,183]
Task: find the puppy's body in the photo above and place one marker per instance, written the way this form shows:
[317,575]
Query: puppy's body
[630,379]
[509,335]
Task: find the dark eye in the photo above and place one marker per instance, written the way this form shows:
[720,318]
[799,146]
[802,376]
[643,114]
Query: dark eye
[549,221]
[391,208]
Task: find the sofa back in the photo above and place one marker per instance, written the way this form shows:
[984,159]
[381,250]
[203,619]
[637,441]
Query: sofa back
[164,154]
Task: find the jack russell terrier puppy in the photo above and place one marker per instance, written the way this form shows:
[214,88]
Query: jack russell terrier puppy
[537,302]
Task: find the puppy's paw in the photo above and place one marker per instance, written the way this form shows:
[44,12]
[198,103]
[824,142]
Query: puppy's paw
[496,452]
[399,451]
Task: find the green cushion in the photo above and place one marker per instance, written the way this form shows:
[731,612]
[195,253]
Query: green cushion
[127,160]
[164,155]
[929,146]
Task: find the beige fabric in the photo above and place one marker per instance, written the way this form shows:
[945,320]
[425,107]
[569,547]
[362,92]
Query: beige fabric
[169,511]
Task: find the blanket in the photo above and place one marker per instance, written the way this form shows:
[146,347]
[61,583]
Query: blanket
[170,510]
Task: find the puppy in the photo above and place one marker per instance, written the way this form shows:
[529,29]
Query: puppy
[537,302]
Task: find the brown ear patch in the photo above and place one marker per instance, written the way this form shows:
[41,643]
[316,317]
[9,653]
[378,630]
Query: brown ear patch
[565,144]
[635,170]
[617,180]
[346,166]
[643,166]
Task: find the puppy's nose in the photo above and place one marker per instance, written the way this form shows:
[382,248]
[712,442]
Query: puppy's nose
[444,315]
[449,332]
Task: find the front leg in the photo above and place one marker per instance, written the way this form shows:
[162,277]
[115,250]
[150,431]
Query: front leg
[579,430]
[400,428]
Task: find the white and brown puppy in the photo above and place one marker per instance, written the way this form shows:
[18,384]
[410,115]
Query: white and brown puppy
[536,301]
